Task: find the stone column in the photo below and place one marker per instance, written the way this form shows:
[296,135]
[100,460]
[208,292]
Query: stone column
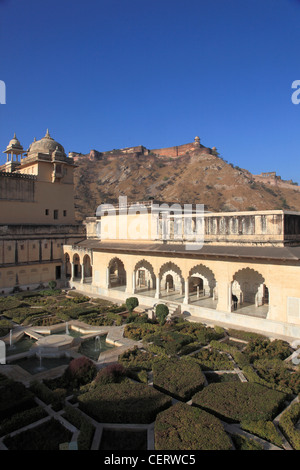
[230,297]
[133,283]
[157,292]
[72,271]
[186,291]
[107,278]
[82,274]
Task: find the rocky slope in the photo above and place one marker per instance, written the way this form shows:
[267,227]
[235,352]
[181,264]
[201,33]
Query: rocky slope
[199,176]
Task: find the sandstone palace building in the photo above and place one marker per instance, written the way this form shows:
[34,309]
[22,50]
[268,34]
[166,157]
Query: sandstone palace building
[245,275]
[37,214]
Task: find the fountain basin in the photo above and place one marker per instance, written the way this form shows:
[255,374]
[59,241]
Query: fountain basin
[55,341]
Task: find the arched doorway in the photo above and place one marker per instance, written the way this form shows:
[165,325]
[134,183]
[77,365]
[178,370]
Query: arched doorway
[171,282]
[202,287]
[117,274]
[144,278]
[250,294]
[196,285]
[76,266]
[87,267]
[67,264]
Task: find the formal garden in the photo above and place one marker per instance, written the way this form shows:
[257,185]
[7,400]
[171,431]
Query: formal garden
[180,386]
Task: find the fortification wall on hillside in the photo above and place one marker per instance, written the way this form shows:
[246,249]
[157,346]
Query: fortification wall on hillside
[176,151]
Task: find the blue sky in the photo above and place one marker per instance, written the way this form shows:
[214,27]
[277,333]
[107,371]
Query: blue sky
[104,74]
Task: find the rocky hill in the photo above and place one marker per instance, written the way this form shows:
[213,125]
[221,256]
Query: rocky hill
[199,175]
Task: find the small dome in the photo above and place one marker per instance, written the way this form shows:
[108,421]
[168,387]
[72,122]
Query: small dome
[197,138]
[46,145]
[14,143]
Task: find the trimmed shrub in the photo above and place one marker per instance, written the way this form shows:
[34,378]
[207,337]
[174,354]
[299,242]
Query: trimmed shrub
[5,326]
[240,401]
[180,378]
[243,362]
[113,373]
[265,430]
[244,443]
[287,423]
[50,397]
[140,331]
[123,403]
[183,427]
[19,420]
[200,333]
[136,359]
[80,371]
[244,335]
[213,360]
[7,303]
[52,284]
[266,349]
[86,428]
[131,303]
[276,372]
[171,341]
[46,436]
[161,313]
[14,398]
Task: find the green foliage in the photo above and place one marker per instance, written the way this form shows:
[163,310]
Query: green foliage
[244,335]
[276,372]
[131,303]
[123,403]
[86,428]
[136,359]
[183,427]
[46,436]
[24,418]
[139,331]
[200,333]
[14,398]
[264,348]
[19,315]
[265,430]
[181,378]
[226,377]
[50,397]
[243,443]
[240,401]
[52,284]
[80,371]
[171,341]
[213,360]
[5,326]
[287,424]
[7,303]
[161,313]
[113,373]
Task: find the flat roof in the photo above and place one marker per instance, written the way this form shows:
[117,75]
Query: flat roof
[281,253]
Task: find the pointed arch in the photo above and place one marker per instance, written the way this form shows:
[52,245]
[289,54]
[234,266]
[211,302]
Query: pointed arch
[87,266]
[76,265]
[249,288]
[144,275]
[117,272]
[200,271]
[171,277]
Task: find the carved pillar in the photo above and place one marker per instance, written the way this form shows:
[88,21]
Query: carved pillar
[72,271]
[186,291]
[157,292]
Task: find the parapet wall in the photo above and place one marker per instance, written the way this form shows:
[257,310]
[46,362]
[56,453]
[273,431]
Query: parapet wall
[176,151]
